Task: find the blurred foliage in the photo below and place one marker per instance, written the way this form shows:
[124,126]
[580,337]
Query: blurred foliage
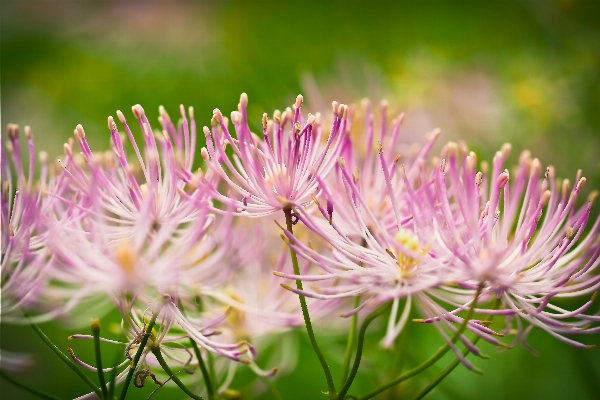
[527,72]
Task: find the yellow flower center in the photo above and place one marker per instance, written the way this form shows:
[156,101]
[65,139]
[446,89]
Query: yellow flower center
[408,240]
[125,256]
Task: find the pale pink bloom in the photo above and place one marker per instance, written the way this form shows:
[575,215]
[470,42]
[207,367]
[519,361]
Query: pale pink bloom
[524,243]
[382,266]
[372,158]
[26,260]
[108,181]
[266,174]
[124,244]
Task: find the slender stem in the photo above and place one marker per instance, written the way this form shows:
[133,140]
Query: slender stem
[428,363]
[455,363]
[311,336]
[201,364]
[165,366]
[113,376]
[26,387]
[211,368]
[62,356]
[140,351]
[350,344]
[273,389]
[205,374]
[95,327]
[359,348]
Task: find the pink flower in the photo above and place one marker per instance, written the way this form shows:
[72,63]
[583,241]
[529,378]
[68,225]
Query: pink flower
[26,259]
[524,243]
[373,158]
[281,168]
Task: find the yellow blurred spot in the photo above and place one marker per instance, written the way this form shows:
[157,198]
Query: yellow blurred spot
[126,257]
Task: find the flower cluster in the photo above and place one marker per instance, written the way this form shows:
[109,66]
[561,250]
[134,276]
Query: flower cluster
[375,222]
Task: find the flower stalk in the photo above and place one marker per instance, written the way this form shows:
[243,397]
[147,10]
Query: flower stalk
[436,357]
[350,344]
[95,327]
[311,336]
[455,363]
[359,348]
[161,360]
[140,350]
[63,357]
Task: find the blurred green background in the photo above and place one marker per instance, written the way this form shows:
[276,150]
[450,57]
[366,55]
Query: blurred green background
[487,72]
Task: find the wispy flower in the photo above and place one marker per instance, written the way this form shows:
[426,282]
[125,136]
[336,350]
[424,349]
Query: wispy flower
[524,243]
[278,169]
[452,243]
[373,158]
[26,259]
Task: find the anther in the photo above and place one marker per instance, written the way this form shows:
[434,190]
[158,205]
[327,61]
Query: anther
[80,131]
[535,167]
[217,115]
[485,167]
[13,131]
[244,100]
[452,150]
[137,111]
[299,100]
[569,233]
[121,117]
[204,154]
[505,149]
[566,185]
[335,107]
[545,197]
[502,179]
[580,184]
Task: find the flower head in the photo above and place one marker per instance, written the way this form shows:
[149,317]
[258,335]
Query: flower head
[278,169]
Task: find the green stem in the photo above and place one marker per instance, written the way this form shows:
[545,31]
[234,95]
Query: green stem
[113,376]
[140,351]
[211,368]
[359,348]
[205,374]
[455,363]
[440,353]
[26,387]
[165,366]
[63,357]
[350,344]
[311,336]
[95,327]
[201,364]
[273,389]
